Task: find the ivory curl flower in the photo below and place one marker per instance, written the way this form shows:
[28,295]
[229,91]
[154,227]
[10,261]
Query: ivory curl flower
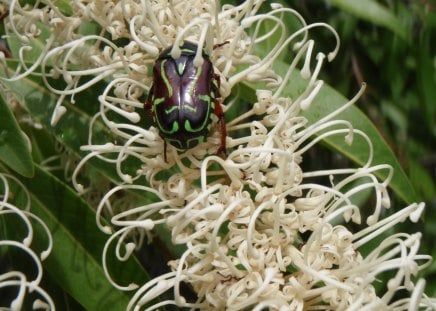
[259,231]
[27,288]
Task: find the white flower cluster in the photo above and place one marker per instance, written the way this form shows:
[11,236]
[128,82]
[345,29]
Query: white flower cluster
[17,287]
[259,231]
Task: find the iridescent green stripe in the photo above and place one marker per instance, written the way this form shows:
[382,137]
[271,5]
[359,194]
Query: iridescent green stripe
[165,79]
[205,98]
[188,51]
[170,110]
[181,68]
[189,142]
[173,130]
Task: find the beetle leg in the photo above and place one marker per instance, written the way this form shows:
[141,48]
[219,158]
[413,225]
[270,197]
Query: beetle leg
[218,81]
[220,114]
[148,105]
[148,109]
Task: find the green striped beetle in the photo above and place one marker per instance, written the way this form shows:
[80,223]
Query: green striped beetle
[183,98]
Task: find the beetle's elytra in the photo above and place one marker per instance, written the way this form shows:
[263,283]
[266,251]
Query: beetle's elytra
[183,98]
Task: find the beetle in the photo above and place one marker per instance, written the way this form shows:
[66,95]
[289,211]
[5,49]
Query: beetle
[183,98]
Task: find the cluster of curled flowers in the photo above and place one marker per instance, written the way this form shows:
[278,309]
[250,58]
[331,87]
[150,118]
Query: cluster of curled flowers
[18,288]
[259,233]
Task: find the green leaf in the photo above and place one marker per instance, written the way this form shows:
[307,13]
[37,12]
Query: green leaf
[426,76]
[373,12]
[329,100]
[72,130]
[422,178]
[75,259]
[14,149]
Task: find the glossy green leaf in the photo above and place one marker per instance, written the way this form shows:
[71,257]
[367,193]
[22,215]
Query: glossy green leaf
[373,12]
[72,130]
[329,100]
[75,261]
[14,149]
